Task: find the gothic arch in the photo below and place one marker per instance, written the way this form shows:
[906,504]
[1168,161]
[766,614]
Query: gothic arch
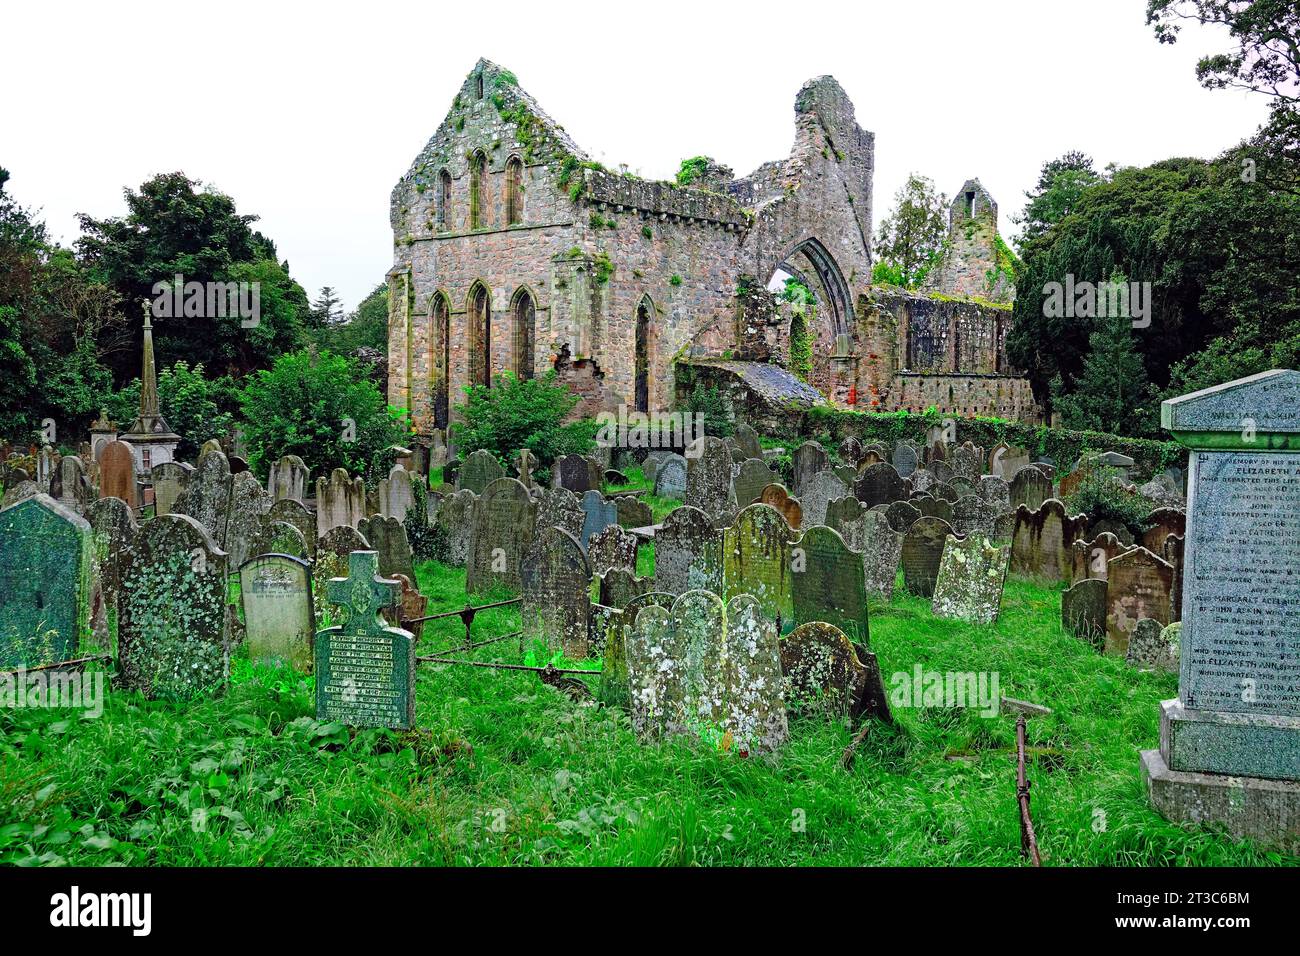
[643,354]
[834,289]
[478,319]
[444,199]
[478,192]
[514,191]
[440,357]
[523,332]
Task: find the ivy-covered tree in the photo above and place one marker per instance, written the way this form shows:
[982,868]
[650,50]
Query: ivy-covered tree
[911,237]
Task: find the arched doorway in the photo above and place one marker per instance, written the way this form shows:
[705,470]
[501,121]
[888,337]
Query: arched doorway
[479,309]
[644,313]
[524,320]
[812,264]
[439,358]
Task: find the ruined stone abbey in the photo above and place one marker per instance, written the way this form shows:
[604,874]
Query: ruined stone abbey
[513,251]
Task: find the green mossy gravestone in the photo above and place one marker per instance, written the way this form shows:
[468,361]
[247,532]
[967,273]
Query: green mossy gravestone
[1230,743]
[279,619]
[45,582]
[365,670]
[173,631]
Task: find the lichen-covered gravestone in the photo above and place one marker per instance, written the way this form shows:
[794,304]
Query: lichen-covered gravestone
[1230,744]
[756,560]
[1149,649]
[45,582]
[479,470]
[296,513]
[747,440]
[395,494]
[708,479]
[249,504]
[755,475]
[882,550]
[633,512]
[113,533]
[288,479]
[560,508]
[613,547]
[332,556]
[556,591]
[819,491]
[923,547]
[828,583]
[688,553]
[206,497]
[502,530]
[387,535]
[578,473]
[670,477]
[279,537]
[365,669]
[822,673]
[971,575]
[279,620]
[451,526]
[1030,487]
[808,459]
[340,501]
[169,480]
[879,485]
[173,630]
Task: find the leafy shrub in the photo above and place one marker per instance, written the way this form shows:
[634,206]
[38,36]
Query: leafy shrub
[709,402]
[322,408]
[1103,494]
[196,407]
[520,413]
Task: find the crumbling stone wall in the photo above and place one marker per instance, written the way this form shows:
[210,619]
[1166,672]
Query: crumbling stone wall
[973,263]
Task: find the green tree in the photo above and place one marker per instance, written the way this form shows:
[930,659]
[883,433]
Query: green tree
[1061,183]
[195,406]
[321,407]
[327,310]
[911,237]
[1112,393]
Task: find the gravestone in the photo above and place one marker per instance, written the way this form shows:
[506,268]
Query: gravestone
[967,461]
[881,548]
[1043,541]
[850,450]
[173,625]
[452,525]
[288,479]
[612,547]
[972,573]
[396,494]
[1030,487]
[478,471]
[756,560]
[71,487]
[117,473]
[1083,610]
[905,458]
[598,513]
[340,501]
[923,481]
[1160,525]
[279,537]
[843,510]
[708,480]
[824,674]
[618,587]
[500,534]
[775,496]
[823,488]
[1005,460]
[943,491]
[670,478]
[1089,559]
[20,492]
[525,464]
[1138,586]
[1150,649]
[808,459]
[996,492]
[279,620]
[880,485]
[294,512]
[333,552]
[650,466]
[113,532]
[560,508]
[973,515]
[828,584]
[747,441]
[931,507]
[633,512]
[45,582]
[754,476]
[365,669]
[169,480]
[555,582]
[923,547]
[249,504]
[387,537]
[901,514]
[578,473]
[206,497]
[688,553]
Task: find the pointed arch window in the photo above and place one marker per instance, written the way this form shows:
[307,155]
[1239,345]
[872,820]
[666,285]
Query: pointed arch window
[642,352]
[480,335]
[439,364]
[477,189]
[523,321]
[514,191]
[444,199]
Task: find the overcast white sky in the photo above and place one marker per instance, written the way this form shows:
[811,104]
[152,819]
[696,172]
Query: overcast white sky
[307,114]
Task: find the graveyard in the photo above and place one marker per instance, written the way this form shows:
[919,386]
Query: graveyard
[703,521]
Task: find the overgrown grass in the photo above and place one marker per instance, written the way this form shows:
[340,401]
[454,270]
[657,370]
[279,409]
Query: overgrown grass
[504,770]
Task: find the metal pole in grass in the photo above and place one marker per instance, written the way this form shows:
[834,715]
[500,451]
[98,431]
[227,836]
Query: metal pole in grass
[1023,710]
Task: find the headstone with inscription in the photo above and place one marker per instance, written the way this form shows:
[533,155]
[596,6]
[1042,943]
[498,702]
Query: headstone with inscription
[708,479]
[479,470]
[972,573]
[556,590]
[756,560]
[755,475]
[169,480]
[365,669]
[828,583]
[612,547]
[388,537]
[688,553]
[1138,586]
[1230,743]
[279,619]
[340,500]
[501,532]
[923,548]
[670,477]
[808,459]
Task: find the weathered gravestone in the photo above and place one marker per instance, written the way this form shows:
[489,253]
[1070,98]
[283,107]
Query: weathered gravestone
[173,625]
[452,525]
[365,669]
[1230,744]
[747,440]
[501,532]
[1083,610]
[340,501]
[288,479]
[1148,648]
[618,587]
[820,490]
[598,513]
[931,507]
[973,515]
[971,575]
[1005,460]
[1160,525]
[1138,586]
[755,475]
[387,536]
[395,494]
[478,471]
[113,532]
[1030,487]
[169,480]
[756,561]
[294,512]
[828,583]
[881,548]
[633,512]
[923,547]
[245,515]
[670,478]
[20,492]
[967,461]
[808,459]
[578,473]
[826,674]
[901,514]
[709,671]
[45,582]
[279,537]
[410,606]
[560,508]
[556,590]
[612,547]
[688,553]
[206,497]
[708,479]
[279,620]
[332,555]
[1043,541]
[1089,559]
[71,487]
[996,492]
[117,473]
[905,458]
[880,485]
[850,450]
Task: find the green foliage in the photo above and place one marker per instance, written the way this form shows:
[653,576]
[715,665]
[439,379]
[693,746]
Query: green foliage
[1061,184]
[803,309]
[604,267]
[303,405]
[520,413]
[1111,393]
[911,237]
[196,407]
[692,169]
[708,402]
[674,280]
[646,233]
[1103,494]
